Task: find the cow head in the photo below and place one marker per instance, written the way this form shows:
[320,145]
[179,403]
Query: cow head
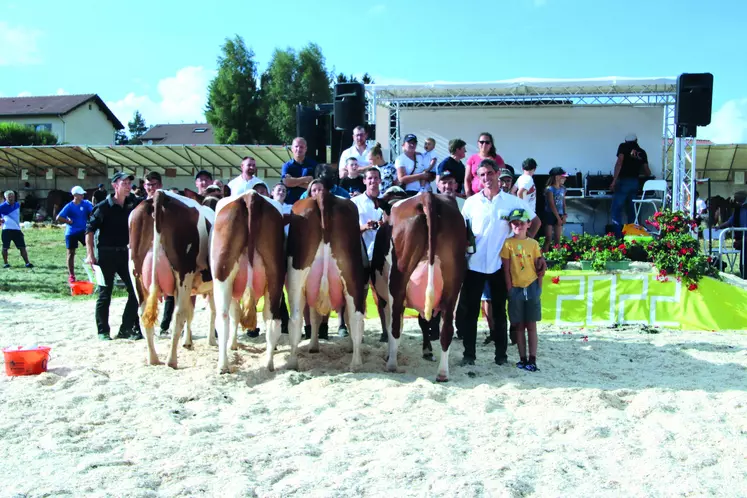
[390,197]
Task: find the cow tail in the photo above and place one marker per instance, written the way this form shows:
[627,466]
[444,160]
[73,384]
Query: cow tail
[248,303]
[150,315]
[323,304]
[430,221]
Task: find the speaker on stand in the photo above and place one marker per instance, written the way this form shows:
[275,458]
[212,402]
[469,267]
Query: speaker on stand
[350,105]
[694,101]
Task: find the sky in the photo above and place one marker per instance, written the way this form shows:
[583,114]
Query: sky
[160,56]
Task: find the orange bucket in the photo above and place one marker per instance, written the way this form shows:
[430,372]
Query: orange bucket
[82,288]
[20,361]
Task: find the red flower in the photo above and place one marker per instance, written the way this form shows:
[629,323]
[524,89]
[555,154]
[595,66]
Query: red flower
[574,238]
[556,246]
[692,286]
[556,280]
[676,219]
[657,214]
[683,251]
[566,246]
[610,234]
[663,273]
[625,251]
[577,257]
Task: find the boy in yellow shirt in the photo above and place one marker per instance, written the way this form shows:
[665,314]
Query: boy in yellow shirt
[518,258]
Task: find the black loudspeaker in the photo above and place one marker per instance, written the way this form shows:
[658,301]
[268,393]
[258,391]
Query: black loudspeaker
[350,105]
[694,100]
[311,124]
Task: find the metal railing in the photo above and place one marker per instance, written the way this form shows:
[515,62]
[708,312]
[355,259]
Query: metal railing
[731,254]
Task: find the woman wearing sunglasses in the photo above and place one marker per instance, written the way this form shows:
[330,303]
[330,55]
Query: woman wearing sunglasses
[486,148]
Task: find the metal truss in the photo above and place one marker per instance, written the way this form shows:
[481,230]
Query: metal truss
[668,145]
[684,175]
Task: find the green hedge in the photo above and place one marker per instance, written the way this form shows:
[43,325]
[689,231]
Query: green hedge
[14,134]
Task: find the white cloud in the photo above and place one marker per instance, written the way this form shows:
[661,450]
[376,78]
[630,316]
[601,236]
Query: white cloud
[24,94]
[61,91]
[728,124]
[376,10]
[181,99]
[18,45]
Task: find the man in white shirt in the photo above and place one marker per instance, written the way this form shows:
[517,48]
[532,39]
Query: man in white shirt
[369,215]
[247,179]
[487,214]
[359,150]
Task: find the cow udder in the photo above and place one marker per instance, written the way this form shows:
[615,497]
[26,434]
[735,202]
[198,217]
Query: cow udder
[419,282]
[163,273]
[314,281]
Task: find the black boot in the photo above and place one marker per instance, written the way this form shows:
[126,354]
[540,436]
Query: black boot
[324,331]
[307,331]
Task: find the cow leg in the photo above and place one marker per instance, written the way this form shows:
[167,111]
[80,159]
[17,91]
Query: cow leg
[233,335]
[447,334]
[188,332]
[296,302]
[425,328]
[183,316]
[316,320]
[394,334]
[224,304]
[354,319]
[149,336]
[211,330]
[272,328]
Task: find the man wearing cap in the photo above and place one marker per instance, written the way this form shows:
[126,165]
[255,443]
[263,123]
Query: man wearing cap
[109,219]
[203,179]
[10,219]
[359,150]
[411,171]
[447,185]
[298,172]
[247,179]
[632,161]
[453,164]
[75,215]
[99,194]
[487,214]
[507,180]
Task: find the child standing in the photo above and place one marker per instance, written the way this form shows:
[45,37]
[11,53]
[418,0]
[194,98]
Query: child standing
[555,212]
[518,256]
[525,188]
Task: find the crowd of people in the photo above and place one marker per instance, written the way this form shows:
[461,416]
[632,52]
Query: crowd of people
[505,264]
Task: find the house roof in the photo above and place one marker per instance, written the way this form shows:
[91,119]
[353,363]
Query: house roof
[180,134]
[52,105]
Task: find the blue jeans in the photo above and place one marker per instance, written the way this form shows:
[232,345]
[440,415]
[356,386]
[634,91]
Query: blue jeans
[625,190]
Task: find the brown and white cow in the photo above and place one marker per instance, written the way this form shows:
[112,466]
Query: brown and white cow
[325,270]
[419,262]
[169,244]
[248,262]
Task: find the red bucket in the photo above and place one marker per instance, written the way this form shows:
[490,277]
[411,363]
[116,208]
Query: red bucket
[19,361]
[81,288]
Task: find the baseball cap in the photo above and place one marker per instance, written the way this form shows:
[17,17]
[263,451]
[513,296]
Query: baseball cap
[558,171]
[518,214]
[101,185]
[631,137]
[204,172]
[77,190]
[121,175]
[446,174]
[504,173]
[409,138]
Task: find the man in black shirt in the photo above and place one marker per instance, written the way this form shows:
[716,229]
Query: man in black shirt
[109,218]
[632,161]
[453,164]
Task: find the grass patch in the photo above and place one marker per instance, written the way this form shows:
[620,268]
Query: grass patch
[48,278]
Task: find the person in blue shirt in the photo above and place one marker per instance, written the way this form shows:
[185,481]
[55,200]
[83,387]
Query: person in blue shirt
[328,175]
[297,173]
[75,216]
[10,218]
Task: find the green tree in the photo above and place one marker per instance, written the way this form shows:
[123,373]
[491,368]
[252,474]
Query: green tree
[15,134]
[291,79]
[137,128]
[120,138]
[233,106]
[366,79]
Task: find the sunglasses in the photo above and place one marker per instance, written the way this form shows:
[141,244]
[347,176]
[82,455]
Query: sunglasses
[484,142]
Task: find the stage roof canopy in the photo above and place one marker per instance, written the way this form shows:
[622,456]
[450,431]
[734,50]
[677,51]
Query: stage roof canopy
[186,160]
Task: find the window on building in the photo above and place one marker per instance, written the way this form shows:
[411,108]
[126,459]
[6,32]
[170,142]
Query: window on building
[41,126]
[199,130]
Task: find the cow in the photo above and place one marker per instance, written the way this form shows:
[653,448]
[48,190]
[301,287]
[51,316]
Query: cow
[248,262]
[325,270]
[169,244]
[419,262]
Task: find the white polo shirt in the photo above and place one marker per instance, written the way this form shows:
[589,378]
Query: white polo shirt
[367,211]
[353,152]
[238,185]
[489,220]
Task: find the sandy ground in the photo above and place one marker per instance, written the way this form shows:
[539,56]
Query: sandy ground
[623,413]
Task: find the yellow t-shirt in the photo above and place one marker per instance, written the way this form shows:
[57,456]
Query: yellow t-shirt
[521,255]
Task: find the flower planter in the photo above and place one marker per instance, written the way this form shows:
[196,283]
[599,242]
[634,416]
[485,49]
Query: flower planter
[611,265]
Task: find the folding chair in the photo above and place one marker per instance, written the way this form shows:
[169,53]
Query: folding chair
[654,187]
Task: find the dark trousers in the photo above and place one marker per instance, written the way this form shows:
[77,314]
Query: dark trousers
[115,262]
[468,311]
[168,312]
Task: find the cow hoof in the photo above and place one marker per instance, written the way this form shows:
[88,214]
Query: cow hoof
[292,364]
[155,362]
[172,365]
[391,368]
[271,367]
[429,356]
[314,349]
[442,378]
[222,371]
[188,346]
